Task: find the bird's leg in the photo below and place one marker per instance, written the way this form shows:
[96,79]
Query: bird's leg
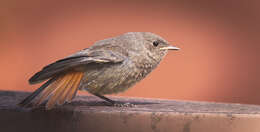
[105,98]
[115,103]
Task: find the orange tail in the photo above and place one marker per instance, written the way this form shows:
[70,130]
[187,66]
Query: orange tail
[62,90]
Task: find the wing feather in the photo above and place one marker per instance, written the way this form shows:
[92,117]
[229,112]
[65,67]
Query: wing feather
[99,56]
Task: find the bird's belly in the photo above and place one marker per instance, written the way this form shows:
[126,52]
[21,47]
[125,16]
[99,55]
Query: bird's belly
[109,79]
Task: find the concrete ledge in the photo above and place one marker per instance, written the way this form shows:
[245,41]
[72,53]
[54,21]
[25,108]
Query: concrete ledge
[89,114]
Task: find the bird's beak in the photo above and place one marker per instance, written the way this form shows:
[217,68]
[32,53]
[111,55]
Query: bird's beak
[169,48]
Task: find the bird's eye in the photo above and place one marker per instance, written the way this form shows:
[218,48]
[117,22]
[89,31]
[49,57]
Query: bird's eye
[155,43]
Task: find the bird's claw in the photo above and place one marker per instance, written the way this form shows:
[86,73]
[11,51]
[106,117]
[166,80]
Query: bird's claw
[120,104]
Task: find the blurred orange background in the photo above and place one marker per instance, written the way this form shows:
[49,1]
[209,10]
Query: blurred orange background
[219,41]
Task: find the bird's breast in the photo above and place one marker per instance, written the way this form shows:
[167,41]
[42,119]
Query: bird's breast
[113,78]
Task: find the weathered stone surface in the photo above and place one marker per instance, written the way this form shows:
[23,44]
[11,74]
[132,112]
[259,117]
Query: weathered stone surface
[88,113]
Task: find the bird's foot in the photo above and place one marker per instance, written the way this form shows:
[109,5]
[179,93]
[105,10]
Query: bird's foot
[115,103]
[122,104]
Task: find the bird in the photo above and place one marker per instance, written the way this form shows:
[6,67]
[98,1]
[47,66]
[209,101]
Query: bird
[109,66]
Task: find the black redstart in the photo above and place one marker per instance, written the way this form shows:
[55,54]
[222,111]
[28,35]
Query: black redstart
[109,66]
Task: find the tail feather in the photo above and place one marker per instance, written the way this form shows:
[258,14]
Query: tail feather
[28,100]
[58,90]
[74,88]
[46,92]
[65,92]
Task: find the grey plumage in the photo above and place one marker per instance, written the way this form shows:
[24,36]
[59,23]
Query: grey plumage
[109,66]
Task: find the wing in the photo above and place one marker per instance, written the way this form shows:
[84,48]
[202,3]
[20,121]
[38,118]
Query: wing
[84,57]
